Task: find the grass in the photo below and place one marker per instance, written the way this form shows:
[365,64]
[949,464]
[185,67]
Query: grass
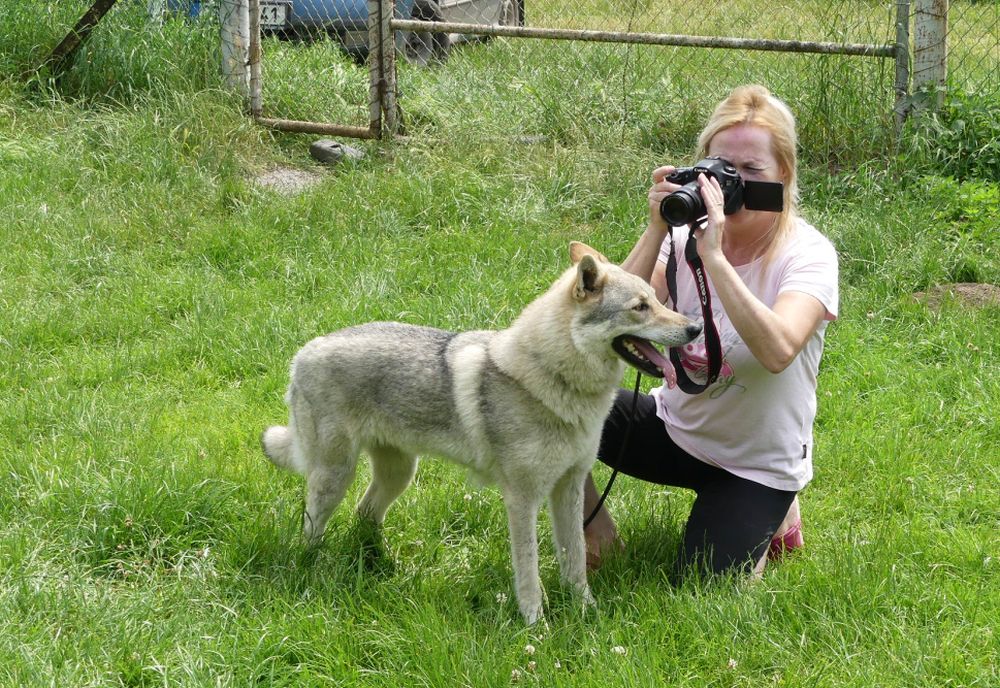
[152,295]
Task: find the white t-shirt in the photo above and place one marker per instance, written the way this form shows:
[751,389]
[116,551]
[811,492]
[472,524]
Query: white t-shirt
[751,422]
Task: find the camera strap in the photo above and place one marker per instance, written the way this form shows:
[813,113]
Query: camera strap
[713,345]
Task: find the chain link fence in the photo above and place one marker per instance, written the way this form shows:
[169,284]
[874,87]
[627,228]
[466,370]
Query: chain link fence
[636,71]
[600,88]
[974,47]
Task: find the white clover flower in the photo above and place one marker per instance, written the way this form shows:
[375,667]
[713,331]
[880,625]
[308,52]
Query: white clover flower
[619,650]
[529,649]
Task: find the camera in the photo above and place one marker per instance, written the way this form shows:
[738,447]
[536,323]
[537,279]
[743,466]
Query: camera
[685,205]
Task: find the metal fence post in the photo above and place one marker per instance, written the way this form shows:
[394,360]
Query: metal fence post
[930,51]
[234,16]
[902,84]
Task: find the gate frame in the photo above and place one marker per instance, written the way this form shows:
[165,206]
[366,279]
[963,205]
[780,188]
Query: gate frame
[381,80]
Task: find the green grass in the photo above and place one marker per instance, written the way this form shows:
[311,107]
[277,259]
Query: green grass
[152,295]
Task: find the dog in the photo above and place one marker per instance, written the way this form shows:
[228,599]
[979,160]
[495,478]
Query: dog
[521,408]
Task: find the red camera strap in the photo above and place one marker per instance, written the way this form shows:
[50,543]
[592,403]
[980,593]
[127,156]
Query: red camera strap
[713,345]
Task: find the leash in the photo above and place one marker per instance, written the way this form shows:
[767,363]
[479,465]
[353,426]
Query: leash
[713,346]
[621,452]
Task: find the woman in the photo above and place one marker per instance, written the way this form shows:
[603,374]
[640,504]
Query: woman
[744,445]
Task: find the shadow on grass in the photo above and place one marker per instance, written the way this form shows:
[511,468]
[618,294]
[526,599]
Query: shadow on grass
[352,555]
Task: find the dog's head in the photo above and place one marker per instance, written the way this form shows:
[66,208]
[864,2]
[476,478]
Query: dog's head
[620,310]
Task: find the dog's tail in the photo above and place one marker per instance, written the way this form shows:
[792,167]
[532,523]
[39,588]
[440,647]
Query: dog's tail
[279,441]
[277,444]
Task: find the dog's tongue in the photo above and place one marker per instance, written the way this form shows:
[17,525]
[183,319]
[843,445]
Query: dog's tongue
[651,352]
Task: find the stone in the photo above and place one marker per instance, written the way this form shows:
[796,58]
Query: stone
[331,152]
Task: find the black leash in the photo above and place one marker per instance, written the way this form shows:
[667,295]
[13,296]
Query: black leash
[621,452]
[713,346]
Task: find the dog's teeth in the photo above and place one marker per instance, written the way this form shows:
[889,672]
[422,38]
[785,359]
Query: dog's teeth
[634,351]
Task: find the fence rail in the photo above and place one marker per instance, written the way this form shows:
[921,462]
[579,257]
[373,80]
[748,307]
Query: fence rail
[632,38]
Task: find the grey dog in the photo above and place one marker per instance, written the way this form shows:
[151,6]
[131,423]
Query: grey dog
[521,408]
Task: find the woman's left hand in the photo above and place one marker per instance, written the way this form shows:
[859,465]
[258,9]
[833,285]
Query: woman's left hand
[710,238]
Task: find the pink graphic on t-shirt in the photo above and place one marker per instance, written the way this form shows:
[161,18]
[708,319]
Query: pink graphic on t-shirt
[694,360]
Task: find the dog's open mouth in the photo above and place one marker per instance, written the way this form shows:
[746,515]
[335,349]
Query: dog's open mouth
[640,354]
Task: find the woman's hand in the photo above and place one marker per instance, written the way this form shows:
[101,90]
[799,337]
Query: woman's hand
[710,238]
[657,192]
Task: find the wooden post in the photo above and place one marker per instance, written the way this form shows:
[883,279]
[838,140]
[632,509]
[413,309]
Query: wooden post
[256,99]
[390,110]
[75,38]
[375,68]
[234,15]
[930,51]
[155,9]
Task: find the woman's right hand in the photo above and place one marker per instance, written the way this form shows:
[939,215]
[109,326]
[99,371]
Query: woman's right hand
[657,192]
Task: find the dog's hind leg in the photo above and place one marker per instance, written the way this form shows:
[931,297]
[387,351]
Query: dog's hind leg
[330,474]
[392,471]
[566,505]
[522,519]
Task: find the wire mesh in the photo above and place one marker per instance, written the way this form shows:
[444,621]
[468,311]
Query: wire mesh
[575,91]
[974,46]
[454,86]
[313,54]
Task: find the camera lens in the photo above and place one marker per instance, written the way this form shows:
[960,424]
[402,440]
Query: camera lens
[682,207]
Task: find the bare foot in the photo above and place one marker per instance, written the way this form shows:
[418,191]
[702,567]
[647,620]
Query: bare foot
[598,548]
[600,535]
[792,518]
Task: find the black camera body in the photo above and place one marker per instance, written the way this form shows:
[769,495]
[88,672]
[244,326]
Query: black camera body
[685,205]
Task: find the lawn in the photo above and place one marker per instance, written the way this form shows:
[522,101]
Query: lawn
[152,293]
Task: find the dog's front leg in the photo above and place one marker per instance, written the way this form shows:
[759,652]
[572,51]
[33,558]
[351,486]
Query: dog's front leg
[566,507]
[522,519]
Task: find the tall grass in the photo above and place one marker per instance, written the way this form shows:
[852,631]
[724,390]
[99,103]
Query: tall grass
[152,294]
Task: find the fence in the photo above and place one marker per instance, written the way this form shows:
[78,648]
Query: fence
[636,63]
[584,70]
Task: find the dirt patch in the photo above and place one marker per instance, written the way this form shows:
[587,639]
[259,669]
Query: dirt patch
[288,180]
[967,293]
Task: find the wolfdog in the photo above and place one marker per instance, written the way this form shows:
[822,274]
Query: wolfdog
[521,407]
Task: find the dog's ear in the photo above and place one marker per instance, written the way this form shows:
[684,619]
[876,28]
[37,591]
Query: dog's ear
[578,249]
[589,278]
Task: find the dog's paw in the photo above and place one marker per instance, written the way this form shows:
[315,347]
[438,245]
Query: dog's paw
[589,601]
[532,614]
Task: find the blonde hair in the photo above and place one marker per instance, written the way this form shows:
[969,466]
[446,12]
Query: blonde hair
[754,105]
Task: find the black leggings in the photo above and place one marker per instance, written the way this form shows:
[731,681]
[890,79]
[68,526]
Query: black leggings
[732,520]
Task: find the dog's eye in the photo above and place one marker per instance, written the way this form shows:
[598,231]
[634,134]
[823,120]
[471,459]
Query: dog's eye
[641,307]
